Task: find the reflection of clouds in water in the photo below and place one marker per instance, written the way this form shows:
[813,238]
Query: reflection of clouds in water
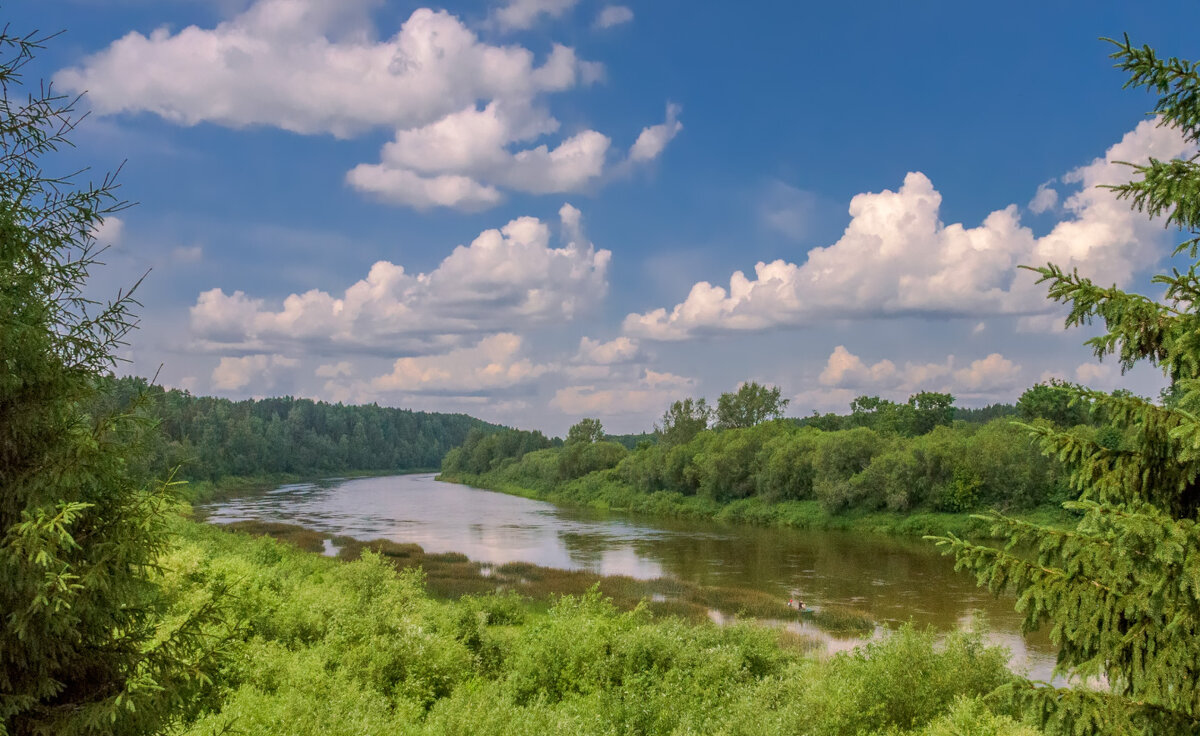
[624,561]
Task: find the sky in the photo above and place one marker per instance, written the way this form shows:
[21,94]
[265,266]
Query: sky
[537,210]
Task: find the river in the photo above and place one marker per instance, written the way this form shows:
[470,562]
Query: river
[893,580]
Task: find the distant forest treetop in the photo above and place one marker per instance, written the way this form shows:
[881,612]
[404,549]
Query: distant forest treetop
[209,438]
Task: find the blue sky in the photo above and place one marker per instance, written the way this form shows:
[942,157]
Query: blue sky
[534,210]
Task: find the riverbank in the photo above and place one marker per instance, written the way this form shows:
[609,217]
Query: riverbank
[603,491]
[198,492]
[451,575]
[314,645]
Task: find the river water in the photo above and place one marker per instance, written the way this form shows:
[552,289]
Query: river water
[893,580]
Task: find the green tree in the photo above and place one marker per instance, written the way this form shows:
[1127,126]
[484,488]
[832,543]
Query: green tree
[751,404]
[1121,591]
[682,421]
[585,432]
[83,646]
[1055,402]
[926,410]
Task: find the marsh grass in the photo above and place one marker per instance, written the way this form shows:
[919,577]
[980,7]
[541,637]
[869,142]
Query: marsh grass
[452,575]
[842,621]
[304,538]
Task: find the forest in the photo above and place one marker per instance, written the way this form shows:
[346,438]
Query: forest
[210,438]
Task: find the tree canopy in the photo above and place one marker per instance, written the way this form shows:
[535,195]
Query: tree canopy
[751,404]
[683,420]
[1121,591]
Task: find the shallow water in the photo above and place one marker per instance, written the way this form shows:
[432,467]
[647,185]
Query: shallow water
[893,580]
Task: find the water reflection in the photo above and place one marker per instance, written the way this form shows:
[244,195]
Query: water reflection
[893,580]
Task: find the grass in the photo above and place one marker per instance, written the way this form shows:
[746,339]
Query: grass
[314,646]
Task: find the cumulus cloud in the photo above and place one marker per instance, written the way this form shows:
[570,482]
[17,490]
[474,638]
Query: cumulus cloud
[495,362]
[232,374]
[311,66]
[466,159]
[1044,199]
[109,231]
[848,372]
[653,140]
[507,278]
[618,350]
[459,106]
[988,374]
[897,257]
[523,14]
[613,15]
[1103,376]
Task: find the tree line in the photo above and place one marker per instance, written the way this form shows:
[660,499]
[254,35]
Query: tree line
[882,455]
[209,438]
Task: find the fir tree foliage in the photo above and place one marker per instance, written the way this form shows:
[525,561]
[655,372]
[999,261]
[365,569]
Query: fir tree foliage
[1120,593]
[85,645]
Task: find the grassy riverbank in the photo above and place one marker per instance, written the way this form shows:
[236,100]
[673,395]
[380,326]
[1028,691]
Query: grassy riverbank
[605,491]
[314,645]
[451,575]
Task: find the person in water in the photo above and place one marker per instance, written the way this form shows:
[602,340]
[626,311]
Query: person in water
[796,603]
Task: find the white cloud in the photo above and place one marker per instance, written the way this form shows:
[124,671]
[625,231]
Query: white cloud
[464,160]
[897,257]
[494,363]
[402,186]
[458,105]
[1097,374]
[992,373]
[653,139]
[232,374]
[619,350]
[109,231]
[613,15]
[520,15]
[648,395]
[505,279]
[1044,199]
[847,371]
[311,66]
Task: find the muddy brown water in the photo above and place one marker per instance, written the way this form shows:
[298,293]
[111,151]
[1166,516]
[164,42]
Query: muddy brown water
[893,580]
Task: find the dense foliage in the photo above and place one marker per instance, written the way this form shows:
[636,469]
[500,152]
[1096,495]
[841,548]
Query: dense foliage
[751,404]
[949,468]
[83,646]
[209,438]
[337,649]
[1121,591]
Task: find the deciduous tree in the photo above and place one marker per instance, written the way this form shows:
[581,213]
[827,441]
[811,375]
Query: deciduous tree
[751,404]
